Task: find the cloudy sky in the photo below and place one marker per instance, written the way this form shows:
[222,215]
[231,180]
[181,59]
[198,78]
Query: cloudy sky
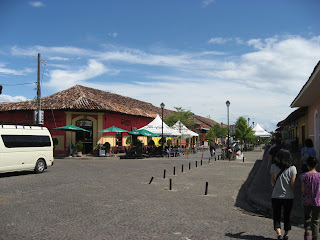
[186,53]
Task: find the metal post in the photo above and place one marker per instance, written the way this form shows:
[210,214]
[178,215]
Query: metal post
[151,179]
[206,191]
[228,153]
[162,107]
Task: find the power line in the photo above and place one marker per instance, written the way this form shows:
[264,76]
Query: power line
[18,84]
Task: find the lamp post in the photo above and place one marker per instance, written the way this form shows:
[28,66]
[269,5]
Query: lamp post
[228,104]
[248,122]
[162,107]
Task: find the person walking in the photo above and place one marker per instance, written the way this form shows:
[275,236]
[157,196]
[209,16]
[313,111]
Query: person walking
[283,176]
[273,152]
[306,152]
[212,148]
[310,187]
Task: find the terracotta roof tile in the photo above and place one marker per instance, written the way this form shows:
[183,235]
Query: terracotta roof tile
[89,99]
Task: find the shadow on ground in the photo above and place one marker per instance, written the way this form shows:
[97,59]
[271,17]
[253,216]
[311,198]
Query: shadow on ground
[241,235]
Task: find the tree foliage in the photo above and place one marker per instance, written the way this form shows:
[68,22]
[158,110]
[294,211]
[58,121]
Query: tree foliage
[243,131]
[210,135]
[217,132]
[181,114]
[221,132]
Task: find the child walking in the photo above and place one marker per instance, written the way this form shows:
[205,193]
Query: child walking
[283,176]
[310,187]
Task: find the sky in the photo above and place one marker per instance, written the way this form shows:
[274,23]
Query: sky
[193,54]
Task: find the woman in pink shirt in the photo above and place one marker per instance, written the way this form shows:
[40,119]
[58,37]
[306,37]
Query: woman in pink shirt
[310,186]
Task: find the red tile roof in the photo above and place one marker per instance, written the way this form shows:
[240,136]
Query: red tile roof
[89,99]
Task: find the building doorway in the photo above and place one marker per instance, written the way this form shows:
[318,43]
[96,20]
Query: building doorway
[85,137]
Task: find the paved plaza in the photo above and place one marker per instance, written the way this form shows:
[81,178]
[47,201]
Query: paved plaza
[109,198]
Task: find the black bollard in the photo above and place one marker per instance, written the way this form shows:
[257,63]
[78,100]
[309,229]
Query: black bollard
[206,191]
[201,162]
[209,160]
[189,165]
[174,170]
[164,173]
[196,163]
[182,168]
[170,184]
[218,157]
[243,159]
[151,180]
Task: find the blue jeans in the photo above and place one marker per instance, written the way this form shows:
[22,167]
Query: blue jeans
[311,220]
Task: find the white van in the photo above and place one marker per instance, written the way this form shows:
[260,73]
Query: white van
[24,148]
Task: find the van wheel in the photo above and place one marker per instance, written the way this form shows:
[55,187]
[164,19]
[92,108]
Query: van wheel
[40,166]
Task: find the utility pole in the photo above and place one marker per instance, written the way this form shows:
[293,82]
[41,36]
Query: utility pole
[38,93]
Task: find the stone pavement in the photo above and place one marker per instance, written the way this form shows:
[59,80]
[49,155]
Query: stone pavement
[109,198]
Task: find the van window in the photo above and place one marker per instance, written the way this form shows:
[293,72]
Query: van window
[16,141]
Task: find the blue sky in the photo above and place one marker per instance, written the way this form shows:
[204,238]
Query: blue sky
[185,53]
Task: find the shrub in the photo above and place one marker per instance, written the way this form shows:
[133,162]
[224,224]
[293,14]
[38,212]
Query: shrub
[79,146]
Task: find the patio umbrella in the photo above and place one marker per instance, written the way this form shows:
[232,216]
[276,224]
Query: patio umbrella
[71,128]
[113,129]
[143,132]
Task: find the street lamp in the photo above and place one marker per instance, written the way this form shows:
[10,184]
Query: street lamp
[248,121]
[162,107]
[228,104]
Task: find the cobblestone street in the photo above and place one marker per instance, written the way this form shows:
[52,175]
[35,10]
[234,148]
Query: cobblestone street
[108,198]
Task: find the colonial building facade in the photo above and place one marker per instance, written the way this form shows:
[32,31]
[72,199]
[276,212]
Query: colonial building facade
[93,110]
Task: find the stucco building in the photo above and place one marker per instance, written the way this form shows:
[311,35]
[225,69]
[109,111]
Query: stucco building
[93,110]
[309,96]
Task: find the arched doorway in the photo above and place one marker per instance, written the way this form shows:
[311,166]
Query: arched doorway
[85,137]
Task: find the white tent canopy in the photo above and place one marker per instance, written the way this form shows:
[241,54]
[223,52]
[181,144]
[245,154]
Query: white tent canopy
[260,132]
[156,127]
[181,128]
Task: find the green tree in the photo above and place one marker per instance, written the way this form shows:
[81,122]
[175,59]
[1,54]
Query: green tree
[180,114]
[220,132]
[210,135]
[244,133]
[217,132]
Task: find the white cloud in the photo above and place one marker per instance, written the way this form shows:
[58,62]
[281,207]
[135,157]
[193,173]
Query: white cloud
[9,71]
[218,40]
[61,79]
[37,4]
[7,98]
[58,59]
[114,34]
[206,3]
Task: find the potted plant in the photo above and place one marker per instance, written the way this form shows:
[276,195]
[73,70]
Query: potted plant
[95,150]
[78,149]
